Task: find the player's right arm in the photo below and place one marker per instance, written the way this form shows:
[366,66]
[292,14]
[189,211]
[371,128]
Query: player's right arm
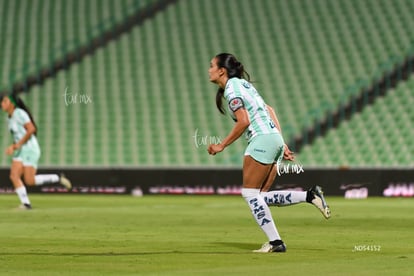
[287,154]
[274,117]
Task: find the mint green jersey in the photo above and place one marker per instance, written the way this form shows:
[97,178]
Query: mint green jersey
[240,93]
[16,126]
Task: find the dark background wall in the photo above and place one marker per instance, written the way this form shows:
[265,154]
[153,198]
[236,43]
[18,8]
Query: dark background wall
[341,182]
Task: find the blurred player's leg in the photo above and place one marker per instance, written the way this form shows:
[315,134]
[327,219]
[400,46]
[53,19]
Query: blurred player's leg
[16,172]
[24,198]
[31,178]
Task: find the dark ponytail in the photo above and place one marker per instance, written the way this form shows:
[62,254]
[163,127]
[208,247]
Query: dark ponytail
[219,100]
[18,102]
[234,69]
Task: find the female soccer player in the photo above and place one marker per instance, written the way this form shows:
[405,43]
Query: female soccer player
[265,149]
[25,151]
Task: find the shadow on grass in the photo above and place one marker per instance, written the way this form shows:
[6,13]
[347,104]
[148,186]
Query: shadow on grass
[223,248]
[115,254]
[238,245]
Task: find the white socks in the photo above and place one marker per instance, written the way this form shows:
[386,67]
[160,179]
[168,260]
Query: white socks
[22,194]
[261,212]
[283,198]
[42,179]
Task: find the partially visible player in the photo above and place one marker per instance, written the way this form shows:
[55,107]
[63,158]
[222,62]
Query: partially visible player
[25,150]
[266,147]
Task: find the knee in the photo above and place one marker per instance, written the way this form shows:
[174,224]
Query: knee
[14,176]
[29,180]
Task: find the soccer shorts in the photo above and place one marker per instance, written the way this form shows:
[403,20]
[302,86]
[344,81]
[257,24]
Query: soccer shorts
[28,156]
[266,148]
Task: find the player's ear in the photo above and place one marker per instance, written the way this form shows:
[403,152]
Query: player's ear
[222,71]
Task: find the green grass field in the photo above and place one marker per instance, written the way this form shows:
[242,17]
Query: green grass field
[201,235]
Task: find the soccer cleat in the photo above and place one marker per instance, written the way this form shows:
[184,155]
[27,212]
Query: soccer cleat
[65,182]
[269,248]
[25,206]
[315,196]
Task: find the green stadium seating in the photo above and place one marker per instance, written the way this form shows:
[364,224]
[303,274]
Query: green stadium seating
[38,32]
[150,87]
[378,136]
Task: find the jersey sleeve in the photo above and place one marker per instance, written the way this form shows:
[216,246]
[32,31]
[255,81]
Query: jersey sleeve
[234,97]
[236,103]
[22,117]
